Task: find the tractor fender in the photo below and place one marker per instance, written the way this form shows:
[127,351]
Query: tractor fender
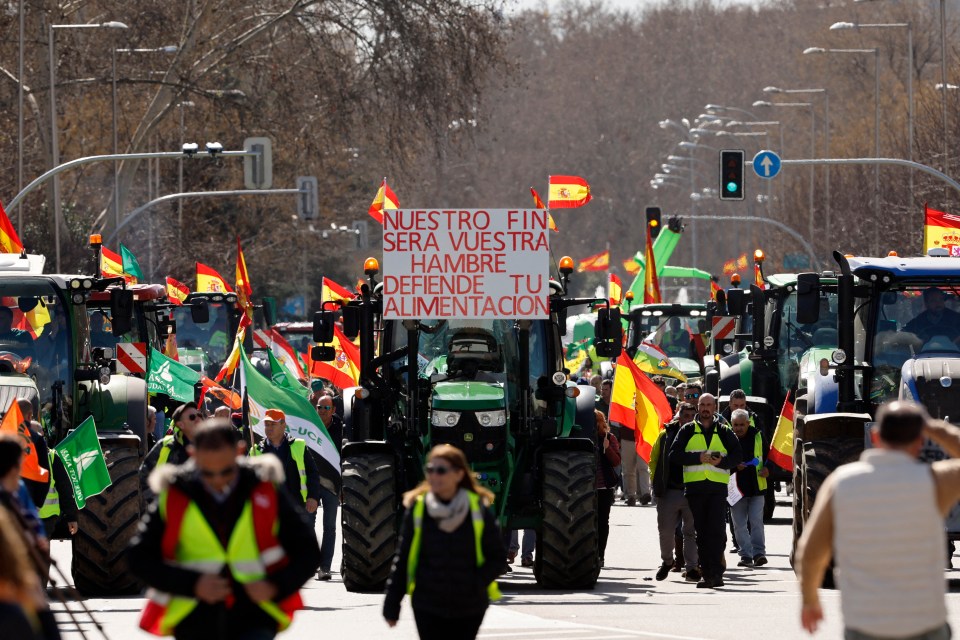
[823,391]
[118,405]
[835,426]
[366,447]
[584,418]
[566,444]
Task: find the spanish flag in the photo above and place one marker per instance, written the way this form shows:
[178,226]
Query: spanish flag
[244,290]
[330,291]
[651,283]
[631,266]
[568,192]
[637,403]
[111,264]
[615,290]
[742,262]
[14,424]
[177,292]
[781,448]
[385,199]
[941,231]
[209,281]
[714,287]
[538,203]
[9,240]
[230,364]
[599,262]
[758,275]
[344,371]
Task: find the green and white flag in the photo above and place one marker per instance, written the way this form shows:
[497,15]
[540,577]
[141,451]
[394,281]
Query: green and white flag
[171,378]
[83,459]
[280,376]
[302,419]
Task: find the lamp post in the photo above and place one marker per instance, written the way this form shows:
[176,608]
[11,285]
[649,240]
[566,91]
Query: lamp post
[842,26]
[813,146]
[54,132]
[116,150]
[181,105]
[876,127]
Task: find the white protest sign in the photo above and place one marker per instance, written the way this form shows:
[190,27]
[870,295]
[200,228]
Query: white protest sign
[475,263]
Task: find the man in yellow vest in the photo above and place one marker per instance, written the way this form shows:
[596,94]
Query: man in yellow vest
[223,549]
[707,448]
[747,512]
[172,448]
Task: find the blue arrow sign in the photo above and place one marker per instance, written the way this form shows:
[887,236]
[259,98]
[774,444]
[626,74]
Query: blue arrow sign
[766,164]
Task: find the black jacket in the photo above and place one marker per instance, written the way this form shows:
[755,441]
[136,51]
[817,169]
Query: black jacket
[335,429]
[290,470]
[747,479]
[295,534]
[178,455]
[667,474]
[449,583]
[678,454]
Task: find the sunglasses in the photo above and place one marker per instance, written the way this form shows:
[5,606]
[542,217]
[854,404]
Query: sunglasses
[193,417]
[691,395]
[438,469]
[322,408]
[223,473]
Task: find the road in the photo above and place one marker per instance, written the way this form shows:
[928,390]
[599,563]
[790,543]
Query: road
[631,603]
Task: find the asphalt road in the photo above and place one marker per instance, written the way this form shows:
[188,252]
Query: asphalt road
[626,603]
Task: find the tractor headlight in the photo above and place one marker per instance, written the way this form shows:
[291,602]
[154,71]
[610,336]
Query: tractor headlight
[77,298]
[104,375]
[492,418]
[444,418]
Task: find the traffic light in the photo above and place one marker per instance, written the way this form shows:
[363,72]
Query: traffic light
[731,175]
[653,221]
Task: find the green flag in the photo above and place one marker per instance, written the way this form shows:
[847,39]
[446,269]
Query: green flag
[130,265]
[83,459]
[279,375]
[302,419]
[171,378]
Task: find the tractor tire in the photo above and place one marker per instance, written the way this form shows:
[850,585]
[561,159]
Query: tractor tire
[107,523]
[567,541]
[370,522]
[797,501]
[820,459]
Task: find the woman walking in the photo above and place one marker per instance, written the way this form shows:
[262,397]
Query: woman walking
[607,481]
[450,551]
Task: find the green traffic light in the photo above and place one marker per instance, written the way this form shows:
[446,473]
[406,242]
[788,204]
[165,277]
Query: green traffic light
[732,187]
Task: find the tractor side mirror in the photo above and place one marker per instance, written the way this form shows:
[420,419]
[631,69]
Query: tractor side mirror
[121,311]
[323,354]
[323,327]
[808,298]
[736,302]
[351,321]
[608,333]
[270,310]
[200,312]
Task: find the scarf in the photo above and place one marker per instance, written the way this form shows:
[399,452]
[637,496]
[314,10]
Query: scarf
[448,515]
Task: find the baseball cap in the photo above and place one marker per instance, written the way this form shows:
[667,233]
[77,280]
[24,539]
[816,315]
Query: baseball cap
[275,415]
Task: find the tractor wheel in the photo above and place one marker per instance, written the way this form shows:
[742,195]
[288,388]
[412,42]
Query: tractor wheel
[369,521]
[107,523]
[820,459]
[567,541]
[797,501]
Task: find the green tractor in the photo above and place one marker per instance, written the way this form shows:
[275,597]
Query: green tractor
[496,390]
[52,362]
[676,328]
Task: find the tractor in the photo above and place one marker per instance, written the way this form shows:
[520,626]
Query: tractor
[206,326]
[880,357]
[51,362]
[496,390]
[658,320]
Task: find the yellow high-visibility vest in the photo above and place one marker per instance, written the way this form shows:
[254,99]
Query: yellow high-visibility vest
[298,450]
[704,471]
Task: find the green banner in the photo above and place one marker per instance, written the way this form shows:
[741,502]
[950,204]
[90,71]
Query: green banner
[131,266]
[280,377]
[171,378]
[83,459]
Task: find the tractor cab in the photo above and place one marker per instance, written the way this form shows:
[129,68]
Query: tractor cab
[677,329]
[206,326]
[150,323]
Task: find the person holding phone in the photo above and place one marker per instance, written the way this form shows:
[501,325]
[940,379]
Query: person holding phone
[707,449]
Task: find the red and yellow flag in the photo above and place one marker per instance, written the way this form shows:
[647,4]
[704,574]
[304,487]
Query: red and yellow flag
[170,347]
[538,203]
[781,447]
[228,397]
[638,404]
[651,283]
[177,292]
[758,276]
[631,266]
[568,192]
[14,424]
[330,291]
[244,289]
[344,371]
[714,288]
[385,199]
[599,262]
[9,240]
[742,262]
[209,281]
[230,364]
[111,264]
[615,290]
[941,231]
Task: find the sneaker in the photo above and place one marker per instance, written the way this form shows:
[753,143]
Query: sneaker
[692,575]
[759,561]
[645,499]
[602,563]
[745,562]
[526,562]
[511,557]
[631,502]
[323,575]
[663,571]
[706,583]
[677,566]
[718,583]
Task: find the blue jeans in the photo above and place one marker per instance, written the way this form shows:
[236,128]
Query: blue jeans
[529,543]
[329,502]
[748,526]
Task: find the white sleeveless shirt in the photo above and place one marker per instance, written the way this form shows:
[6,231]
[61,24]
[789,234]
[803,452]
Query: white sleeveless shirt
[889,545]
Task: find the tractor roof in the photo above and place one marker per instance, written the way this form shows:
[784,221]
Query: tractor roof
[898,268]
[779,280]
[141,293]
[294,327]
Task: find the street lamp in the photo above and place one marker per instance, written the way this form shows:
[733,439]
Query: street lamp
[876,127]
[54,132]
[116,145]
[843,26]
